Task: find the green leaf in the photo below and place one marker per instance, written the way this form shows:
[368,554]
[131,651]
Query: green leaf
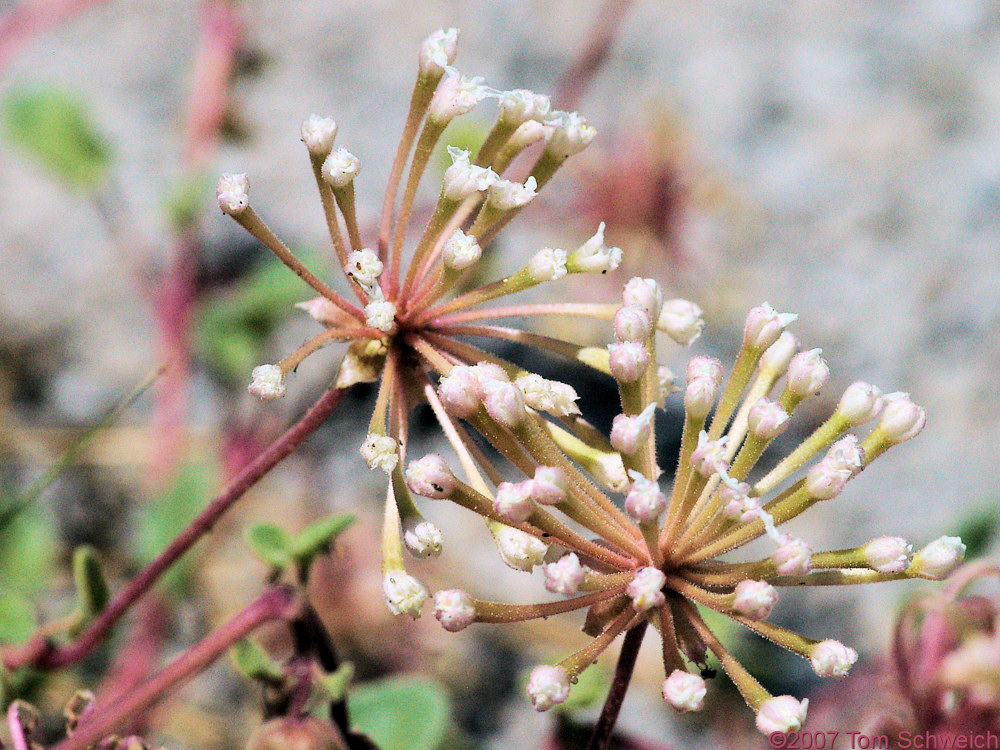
[978,531]
[17,617]
[272,544]
[334,685]
[590,690]
[318,537]
[404,713]
[55,129]
[188,201]
[91,587]
[254,662]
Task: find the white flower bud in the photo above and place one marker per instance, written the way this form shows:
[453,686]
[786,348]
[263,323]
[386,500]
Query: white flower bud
[548,686]
[550,485]
[684,691]
[645,589]
[782,714]
[461,251]
[380,452]
[682,320]
[519,550]
[777,357]
[381,315]
[322,311]
[430,477]
[571,134]
[549,396]
[233,193]
[565,575]
[318,134]
[860,402]
[644,293]
[938,559]
[644,501]
[487,372]
[504,402]
[340,168]
[457,392]
[520,105]
[609,470]
[709,456]
[738,505]
[463,179]
[423,539]
[807,373]
[628,433]
[888,554]
[764,325]
[455,95]
[627,360]
[404,594]
[513,501]
[767,419]
[506,195]
[632,324]
[793,557]
[593,256]
[754,599]
[901,419]
[363,266]
[528,133]
[454,609]
[831,658]
[267,382]
[548,264]
[438,51]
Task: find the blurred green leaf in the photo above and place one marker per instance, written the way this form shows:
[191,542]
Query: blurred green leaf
[254,662]
[188,201]
[403,713]
[54,128]
[318,537]
[91,588]
[17,617]
[272,544]
[334,685]
[462,133]
[978,531]
[590,690]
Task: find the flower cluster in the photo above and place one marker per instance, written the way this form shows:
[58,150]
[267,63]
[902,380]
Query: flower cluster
[589,509]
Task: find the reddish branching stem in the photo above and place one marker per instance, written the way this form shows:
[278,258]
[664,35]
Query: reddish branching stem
[277,603]
[39,652]
[619,686]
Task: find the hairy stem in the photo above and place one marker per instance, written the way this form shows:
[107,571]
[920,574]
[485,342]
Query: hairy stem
[619,686]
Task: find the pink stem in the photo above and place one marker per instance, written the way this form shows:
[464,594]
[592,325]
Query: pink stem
[17,736]
[598,311]
[28,19]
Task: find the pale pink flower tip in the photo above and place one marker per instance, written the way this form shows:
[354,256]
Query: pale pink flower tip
[645,589]
[548,686]
[644,501]
[754,599]
[340,168]
[628,433]
[504,402]
[430,477]
[513,501]
[454,609]
[463,178]
[267,382]
[627,360]
[455,95]
[457,391]
[520,105]
[461,251]
[939,558]
[632,323]
[570,134]
[888,554]
[438,51]
[682,320]
[782,714]
[709,457]
[860,402]
[764,325]
[767,419]
[807,373]
[318,134]
[549,486]
[233,193]
[548,264]
[778,356]
[644,293]
[684,691]
[793,557]
[565,575]
[901,419]
[832,658]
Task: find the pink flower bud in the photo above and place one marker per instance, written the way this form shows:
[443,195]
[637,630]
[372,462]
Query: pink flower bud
[506,196]
[430,477]
[682,320]
[455,95]
[548,686]
[887,554]
[644,293]
[825,480]
[737,503]
[644,501]
[699,395]
[645,589]
[832,658]
[778,355]
[938,559]
[318,134]
[782,714]
[807,373]
[549,487]
[233,193]
[504,402]
[860,402]
[628,433]
[486,372]
[627,360]
[793,557]
[704,367]
[458,392]
[513,501]
[684,691]
[454,609]
[901,419]
[710,455]
[564,576]
[767,419]
[846,454]
[520,105]
[754,599]
[632,324]
[764,325]
[463,178]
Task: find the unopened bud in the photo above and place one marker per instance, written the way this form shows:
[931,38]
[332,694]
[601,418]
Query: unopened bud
[901,419]
[504,402]
[233,193]
[754,599]
[938,559]
[831,658]
[764,325]
[550,396]
[455,95]
[684,691]
[792,558]
[860,402]
[682,320]
[548,686]
[632,324]
[454,609]
[340,168]
[430,477]
[888,554]
[628,433]
[767,419]
[318,134]
[645,589]
[461,251]
[438,51]
[565,575]
[644,501]
[548,264]
[267,382]
[513,501]
[627,360]
[381,315]
[709,456]
[463,179]
[550,485]
[807,373]
[644,293]
[782,714]
[457,391]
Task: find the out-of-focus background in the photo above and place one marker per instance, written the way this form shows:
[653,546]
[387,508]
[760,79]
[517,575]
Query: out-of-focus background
[837,159]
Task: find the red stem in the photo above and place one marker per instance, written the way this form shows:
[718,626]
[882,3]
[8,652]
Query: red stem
[619,686]
[40,653]
[276,603]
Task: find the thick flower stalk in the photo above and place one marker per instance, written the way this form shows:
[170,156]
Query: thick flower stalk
[587,508]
